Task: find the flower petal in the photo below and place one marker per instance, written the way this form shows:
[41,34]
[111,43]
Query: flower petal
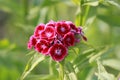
[32,42]
[39,29]
[49,32]
[42,46]
[58,52]
[69,39]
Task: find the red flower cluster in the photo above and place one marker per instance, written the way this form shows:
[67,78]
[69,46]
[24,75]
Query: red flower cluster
[54,38]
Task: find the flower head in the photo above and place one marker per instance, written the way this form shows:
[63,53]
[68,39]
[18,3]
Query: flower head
[54,38]
[62,28]
[39,29]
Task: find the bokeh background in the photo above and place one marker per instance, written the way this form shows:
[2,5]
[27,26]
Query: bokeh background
[18,18]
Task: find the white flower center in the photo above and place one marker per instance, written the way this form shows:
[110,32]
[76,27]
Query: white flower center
[58,51]
[48,34]
[43,46]
[68,39]
[62,29]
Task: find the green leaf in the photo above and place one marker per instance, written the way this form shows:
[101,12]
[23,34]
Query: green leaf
[113,3]
[69,67]
[32,63]
[52,67]
[72,76]
[102,73]
[93,58]
[70,71]
[110,19]
[4,43]
[49,2]
[89,21]
[77,20]
[77,2]
[113,63]
[83,56]
[95,3]
[42,77]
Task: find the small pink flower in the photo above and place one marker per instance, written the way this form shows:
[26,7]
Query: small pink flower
[42,46]
[39,29]
[58,52]
[32,42]
[69,39]
[48,33]
[62,28]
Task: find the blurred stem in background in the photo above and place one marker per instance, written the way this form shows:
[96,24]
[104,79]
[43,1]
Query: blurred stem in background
[61,70]
[25,10]
[81,12]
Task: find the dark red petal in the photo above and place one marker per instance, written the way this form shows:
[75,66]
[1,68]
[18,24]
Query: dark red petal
[45,51]
[42,46]
[69,39]
[29,46]
[38,47]
[49,32]
[32,42]
[84,38]
[72,26]
[58,52]
[62,28]
[38,29]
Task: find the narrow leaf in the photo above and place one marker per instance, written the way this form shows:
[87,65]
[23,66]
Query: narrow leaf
[34,61]
[113,3]
[95,3]
[113,63]
[102,73]
[93,58]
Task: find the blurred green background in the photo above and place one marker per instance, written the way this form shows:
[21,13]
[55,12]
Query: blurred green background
[18,18]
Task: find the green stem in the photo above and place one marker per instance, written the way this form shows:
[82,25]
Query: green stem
[61,70]
[81,12]
[81,16]
[85,15]
[50,67]
[56,12]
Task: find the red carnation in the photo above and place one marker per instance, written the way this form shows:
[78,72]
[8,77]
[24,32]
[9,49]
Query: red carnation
[49,32]
[58,52]
[69,39]
[42,46]
[62,28]
[39,29]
